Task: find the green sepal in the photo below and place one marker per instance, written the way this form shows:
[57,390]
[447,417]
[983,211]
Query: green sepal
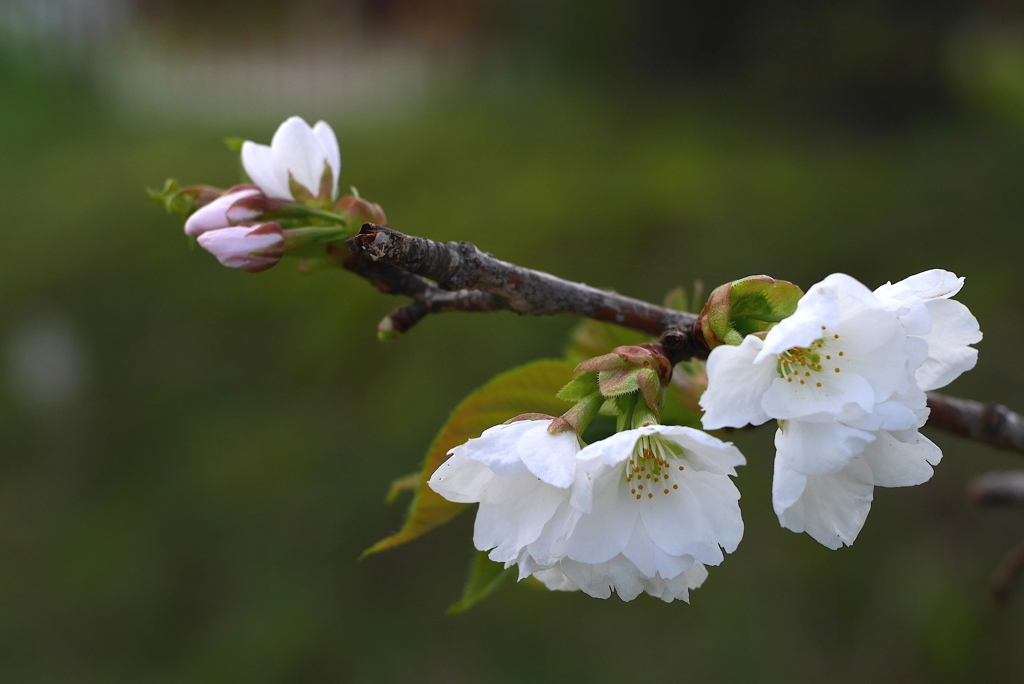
[624,406]
[174,199]
[619,382]
[485,576]
[650,388]
[579,387]
[234,144]
[579,417]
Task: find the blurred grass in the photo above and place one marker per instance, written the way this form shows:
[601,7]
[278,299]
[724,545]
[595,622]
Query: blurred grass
[196,514]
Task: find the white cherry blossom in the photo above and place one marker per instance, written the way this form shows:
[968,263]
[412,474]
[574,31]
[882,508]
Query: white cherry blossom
[521,475]
[845,377]
[297,152]
[655,504]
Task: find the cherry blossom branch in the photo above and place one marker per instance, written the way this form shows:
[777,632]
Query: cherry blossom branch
[468,279]
[456,266]
[992,424]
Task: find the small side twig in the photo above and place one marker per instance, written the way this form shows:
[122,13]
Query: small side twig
[462,266]
[428,298]
[993,424]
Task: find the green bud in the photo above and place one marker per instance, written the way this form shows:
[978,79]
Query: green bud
[175,199]
[386,330]
[744,307]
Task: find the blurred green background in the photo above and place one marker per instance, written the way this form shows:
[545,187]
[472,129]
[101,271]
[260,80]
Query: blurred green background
[192,458]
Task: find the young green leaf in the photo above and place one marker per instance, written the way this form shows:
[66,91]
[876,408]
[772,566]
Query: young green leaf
[484,577]
[527,389]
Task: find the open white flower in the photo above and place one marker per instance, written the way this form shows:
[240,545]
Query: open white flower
[308,156]
[656,503]
[521,476]
[843,377]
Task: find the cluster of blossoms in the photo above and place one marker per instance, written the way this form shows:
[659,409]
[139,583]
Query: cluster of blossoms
[845,376]
[292,203]
[844,373]
[644,510]
[842,369]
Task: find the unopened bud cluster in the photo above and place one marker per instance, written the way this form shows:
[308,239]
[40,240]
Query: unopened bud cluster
[291,207]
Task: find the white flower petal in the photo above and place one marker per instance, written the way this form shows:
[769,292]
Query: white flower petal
[931,284]
[679,586]
[258,162]
[786,400]
[505,528]
[641,551]
[598,579]
[953,329]
[498,448]
[549,547]
[329,143]
[696,518]
[669,566]
[818,448]
[735,385]
[215,214]
[819,307]
[901,459]
[460,479]
[552,458]
[832,507]
[295,148]
[555,580]
[704,452]
[603,533]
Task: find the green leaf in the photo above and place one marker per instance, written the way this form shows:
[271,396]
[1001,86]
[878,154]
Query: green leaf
[593,338]
[484,577]
[527,389]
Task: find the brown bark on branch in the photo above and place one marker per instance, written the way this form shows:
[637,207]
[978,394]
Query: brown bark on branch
[461,266]
[998,490]
[428,297]
[993,424]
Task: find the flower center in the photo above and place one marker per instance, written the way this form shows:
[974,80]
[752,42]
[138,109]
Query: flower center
[799,363]
[649,470]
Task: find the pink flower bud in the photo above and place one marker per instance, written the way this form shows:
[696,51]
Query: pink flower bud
[358,211]
[250,249]
[237,204]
